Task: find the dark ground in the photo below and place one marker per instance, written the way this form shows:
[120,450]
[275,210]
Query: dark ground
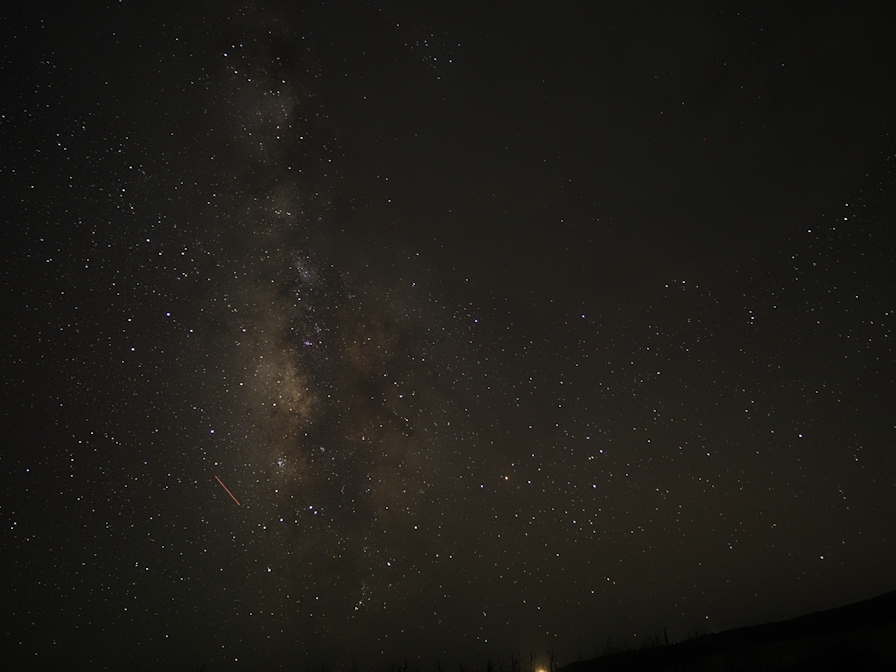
[858,636]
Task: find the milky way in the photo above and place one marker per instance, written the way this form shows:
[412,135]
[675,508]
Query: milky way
[316,416]
[321,387]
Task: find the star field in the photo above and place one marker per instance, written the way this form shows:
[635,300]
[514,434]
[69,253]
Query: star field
[503,330]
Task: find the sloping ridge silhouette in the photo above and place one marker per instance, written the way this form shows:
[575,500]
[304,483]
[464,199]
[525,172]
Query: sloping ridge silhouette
[859,637]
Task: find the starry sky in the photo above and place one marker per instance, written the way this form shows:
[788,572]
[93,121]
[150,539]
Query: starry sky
[504,327]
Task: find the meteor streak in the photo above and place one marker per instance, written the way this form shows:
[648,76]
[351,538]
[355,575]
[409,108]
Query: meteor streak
[228,491]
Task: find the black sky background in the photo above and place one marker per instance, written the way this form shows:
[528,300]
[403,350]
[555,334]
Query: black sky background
[507,326]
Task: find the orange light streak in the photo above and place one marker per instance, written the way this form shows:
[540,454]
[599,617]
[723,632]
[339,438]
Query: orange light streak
[228,491]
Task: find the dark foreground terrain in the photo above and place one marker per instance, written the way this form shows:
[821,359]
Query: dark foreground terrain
[858,637]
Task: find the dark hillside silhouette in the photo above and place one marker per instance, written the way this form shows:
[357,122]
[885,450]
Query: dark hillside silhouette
[859,637]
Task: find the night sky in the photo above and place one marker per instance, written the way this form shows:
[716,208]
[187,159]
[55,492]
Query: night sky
[504,327]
